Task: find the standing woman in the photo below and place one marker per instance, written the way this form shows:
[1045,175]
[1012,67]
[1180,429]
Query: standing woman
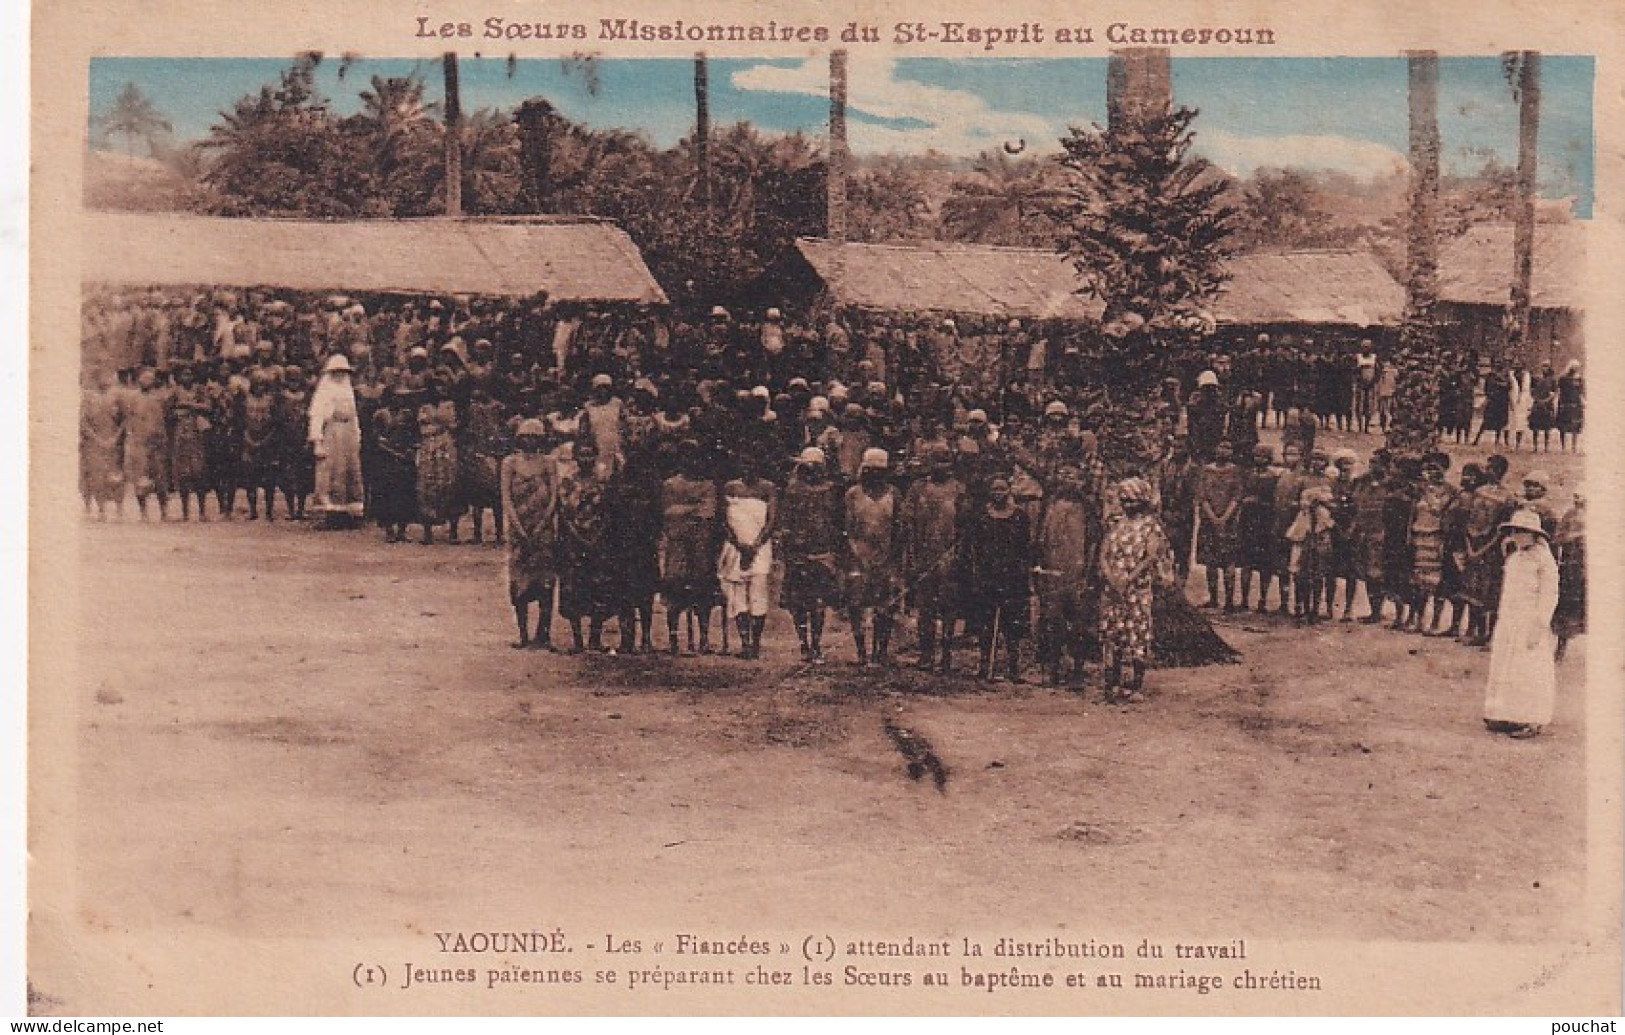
[101,446]
[1135,560]
[529,517]
[298,470]
[394,490]
[1523,402]
[1543,409]
[1523,672]
[1497,406]
[749,519]
[335,437]
[873,556]
[437,468]
[1571,394]
[1570,619]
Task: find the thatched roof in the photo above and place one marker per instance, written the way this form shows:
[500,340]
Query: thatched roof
[587,262]
[950,278]
[1476,268]
[1346,288]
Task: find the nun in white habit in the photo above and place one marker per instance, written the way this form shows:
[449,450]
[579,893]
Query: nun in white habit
[1523,675]
[335,437]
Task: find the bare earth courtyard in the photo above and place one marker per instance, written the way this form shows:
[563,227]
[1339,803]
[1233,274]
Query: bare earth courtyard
[287,732]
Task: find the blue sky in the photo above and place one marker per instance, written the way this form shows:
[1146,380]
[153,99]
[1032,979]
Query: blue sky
[1345,114]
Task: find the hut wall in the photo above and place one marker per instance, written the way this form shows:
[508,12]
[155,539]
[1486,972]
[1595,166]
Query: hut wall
[1558,335]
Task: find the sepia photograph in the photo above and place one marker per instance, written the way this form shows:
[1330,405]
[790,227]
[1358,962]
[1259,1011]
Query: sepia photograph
[1003,515]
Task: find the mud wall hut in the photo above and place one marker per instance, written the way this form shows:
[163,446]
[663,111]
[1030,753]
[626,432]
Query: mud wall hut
[1475,280]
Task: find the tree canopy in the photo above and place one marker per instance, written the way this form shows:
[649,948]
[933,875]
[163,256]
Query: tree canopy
[134,117]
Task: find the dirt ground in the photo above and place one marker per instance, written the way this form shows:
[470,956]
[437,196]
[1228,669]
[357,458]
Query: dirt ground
[285,731]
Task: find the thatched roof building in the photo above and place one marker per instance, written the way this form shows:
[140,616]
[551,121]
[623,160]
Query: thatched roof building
[571,262]
[1475,280]
[938,277]
[1296,290]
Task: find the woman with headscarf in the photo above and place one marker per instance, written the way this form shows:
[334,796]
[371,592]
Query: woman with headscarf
[1523,673]
[749,518]
[871,513]
[1134,560]
[529,516]
[1000,551]
[1434,500]
[438,473]
[335,437]
[1542,409]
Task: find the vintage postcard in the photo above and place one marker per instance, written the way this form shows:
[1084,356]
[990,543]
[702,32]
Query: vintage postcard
[809,508]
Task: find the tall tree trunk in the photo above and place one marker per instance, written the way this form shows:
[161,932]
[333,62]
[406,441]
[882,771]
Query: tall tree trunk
[1526,87]
[702,130]
[835,170]
[454,138]
[1139,84]
[1416,414]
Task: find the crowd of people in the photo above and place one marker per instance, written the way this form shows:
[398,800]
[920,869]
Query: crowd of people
[867,463]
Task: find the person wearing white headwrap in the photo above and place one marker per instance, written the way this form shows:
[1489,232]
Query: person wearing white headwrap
[873,555]
[1135,560]
[749,516]
[530,499]
[809,544]
[334,433]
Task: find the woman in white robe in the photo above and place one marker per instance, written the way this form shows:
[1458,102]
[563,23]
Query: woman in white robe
[335,435]
[1522,404]
[1523,675]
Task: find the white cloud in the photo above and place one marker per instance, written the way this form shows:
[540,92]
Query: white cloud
[1241,155]
[956,122]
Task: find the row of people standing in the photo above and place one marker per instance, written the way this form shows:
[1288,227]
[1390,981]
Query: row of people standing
[1309,526]
[1231,399]
[951,542]
[204,432]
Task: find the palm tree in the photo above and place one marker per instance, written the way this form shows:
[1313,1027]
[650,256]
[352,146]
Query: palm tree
[835,186]
[702,130]
[492,173]
[134,117]
[399,122]
[454,137]
[395,105]
[1414,430]
[1005,200]
[1523,68]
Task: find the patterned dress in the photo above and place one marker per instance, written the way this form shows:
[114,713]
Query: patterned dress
[585,579]
[1135,557]
[189,426]
[809,539]
[437,469]
[873,568]
[933,516]
[530,494]
[146,446]
[1428,536]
